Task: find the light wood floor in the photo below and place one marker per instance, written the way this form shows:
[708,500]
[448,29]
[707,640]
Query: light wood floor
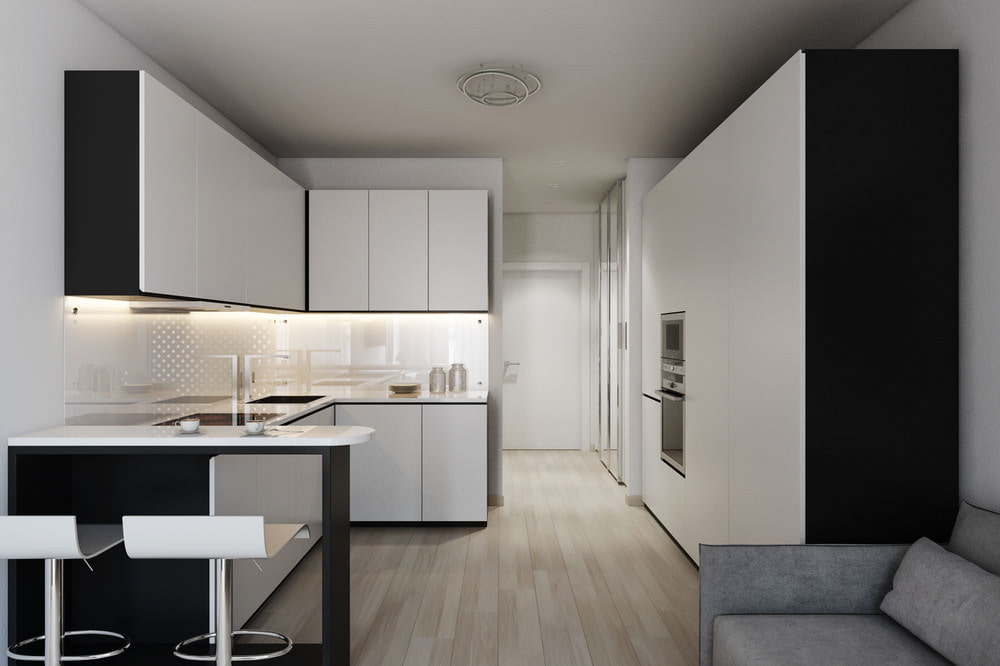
[565,573]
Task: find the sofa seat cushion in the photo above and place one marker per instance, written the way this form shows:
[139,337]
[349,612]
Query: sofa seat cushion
[777,640]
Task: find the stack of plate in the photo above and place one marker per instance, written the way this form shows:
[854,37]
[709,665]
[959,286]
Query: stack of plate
[405,388]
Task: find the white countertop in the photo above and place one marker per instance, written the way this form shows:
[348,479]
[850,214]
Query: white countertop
[151,411]
[207,436]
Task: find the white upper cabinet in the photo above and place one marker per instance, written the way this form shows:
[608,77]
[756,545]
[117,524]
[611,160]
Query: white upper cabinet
[397,250]
[458,252]
[168,191]
[223,170]
[205,215]
[338,250]
[275,239]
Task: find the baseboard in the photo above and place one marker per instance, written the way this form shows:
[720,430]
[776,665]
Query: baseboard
[494,500]
[633,500]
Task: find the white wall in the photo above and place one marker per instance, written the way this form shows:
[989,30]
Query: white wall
[433,173]
[39,39]
[642,173]
[550,237]
[560,237]
[972,27]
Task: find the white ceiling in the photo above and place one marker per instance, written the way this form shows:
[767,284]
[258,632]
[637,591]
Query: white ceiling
[376,78]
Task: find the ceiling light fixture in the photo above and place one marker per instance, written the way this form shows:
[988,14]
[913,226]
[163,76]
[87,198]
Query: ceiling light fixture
[499,86]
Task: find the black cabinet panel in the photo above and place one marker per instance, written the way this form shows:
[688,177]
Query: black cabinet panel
[881,295]
[102,183]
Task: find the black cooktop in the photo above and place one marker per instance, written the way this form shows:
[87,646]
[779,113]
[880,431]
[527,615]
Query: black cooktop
[219,419]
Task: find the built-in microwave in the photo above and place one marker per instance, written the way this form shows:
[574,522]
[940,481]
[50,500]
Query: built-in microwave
[672,335]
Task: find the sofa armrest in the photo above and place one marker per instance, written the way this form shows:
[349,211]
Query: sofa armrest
[791,580]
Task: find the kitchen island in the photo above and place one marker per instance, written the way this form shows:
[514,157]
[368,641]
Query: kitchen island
[100,473]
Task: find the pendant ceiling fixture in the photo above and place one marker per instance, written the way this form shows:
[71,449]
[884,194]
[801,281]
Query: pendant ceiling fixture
[499,86]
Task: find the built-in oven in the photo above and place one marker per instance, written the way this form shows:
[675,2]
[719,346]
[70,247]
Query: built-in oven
[672,390]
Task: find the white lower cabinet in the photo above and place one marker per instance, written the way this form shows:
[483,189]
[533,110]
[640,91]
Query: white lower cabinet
[424,462]
[454,463]
[322,417]
[385,472]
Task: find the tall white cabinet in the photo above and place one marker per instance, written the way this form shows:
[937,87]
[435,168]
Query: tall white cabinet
[796,237]
[398,250]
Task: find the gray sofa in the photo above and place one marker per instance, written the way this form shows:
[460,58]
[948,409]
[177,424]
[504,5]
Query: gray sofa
[855,604]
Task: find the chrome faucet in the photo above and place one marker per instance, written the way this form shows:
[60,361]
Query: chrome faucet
[242,377]
[248,375]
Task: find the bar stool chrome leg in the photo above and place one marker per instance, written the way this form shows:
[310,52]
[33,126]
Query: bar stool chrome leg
[224,633]
[223,612]
[54,635]
[53,612]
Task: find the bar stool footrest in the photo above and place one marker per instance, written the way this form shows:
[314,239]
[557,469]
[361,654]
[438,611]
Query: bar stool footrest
[13,654]
[243,657]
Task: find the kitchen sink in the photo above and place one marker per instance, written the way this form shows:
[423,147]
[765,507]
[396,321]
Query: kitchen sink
[286,399]
[192,399]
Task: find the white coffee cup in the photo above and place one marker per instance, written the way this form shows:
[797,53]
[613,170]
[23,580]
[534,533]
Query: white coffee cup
[189,425]
[254,426]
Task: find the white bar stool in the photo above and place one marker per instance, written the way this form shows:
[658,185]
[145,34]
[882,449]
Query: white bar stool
[55,539]
[219,538]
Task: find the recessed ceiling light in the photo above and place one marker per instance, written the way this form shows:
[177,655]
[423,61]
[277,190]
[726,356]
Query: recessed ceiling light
[554,186]
[499,86]
[561,163]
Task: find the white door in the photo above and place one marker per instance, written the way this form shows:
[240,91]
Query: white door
[546,351]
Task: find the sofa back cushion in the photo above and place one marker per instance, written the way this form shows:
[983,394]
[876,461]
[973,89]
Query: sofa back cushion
[976,537]
[947,602]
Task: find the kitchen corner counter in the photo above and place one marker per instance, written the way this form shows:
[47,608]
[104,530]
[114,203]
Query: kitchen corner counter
[207,436]
[100,473]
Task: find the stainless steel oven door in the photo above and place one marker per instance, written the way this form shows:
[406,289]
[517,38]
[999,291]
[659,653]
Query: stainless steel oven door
[672,429]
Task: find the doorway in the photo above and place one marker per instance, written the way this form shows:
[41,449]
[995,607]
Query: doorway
[546,341]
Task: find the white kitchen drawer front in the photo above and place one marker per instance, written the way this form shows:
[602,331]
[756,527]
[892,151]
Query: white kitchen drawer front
[338,250]
[397,250]
[385,472]
[458,250]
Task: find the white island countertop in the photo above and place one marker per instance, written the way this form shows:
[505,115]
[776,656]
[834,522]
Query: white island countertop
[207,436]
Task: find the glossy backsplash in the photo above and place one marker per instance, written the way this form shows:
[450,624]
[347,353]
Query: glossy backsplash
[115,356]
